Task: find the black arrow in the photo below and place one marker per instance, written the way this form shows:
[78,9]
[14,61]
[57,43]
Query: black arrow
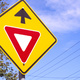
[23,14]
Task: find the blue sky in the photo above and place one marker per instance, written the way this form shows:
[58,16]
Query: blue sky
[62,17]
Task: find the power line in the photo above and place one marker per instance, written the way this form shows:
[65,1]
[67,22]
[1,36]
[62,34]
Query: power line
[63,64]
[59,66]
[58,62]
[60,77]
[76,78]
[56,57]
[71,74]
[56,77]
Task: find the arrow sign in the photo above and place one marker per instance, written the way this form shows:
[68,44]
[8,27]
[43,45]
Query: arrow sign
[24,38]
[23,41]
[23,14]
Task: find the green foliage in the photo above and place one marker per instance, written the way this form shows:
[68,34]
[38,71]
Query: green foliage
[3,5]
[6,71]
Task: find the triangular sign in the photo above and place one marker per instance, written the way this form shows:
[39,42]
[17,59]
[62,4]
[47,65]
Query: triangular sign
[23,41]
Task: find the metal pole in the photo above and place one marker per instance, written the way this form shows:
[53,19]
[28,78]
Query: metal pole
[21,76]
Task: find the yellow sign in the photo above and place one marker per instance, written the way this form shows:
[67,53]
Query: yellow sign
[24,38]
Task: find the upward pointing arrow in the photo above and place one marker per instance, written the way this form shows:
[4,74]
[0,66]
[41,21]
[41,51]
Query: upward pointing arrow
[23,14]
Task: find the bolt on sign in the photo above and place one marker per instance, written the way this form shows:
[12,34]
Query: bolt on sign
[24,38]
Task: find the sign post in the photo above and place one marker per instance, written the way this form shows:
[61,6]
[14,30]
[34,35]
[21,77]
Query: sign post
[24,38]
[21,76]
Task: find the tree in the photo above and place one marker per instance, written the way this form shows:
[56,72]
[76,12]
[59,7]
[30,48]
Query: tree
[6,71]
[3,5]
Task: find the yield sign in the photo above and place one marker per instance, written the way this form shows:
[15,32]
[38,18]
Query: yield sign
[24,38]
[23,41]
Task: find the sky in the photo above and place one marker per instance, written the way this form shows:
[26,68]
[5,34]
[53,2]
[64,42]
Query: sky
[62,62]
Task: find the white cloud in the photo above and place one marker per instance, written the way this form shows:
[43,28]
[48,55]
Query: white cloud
[58,24]
[66,16]
[63,4]
[59,15]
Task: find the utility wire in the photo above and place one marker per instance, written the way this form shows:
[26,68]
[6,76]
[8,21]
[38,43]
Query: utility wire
[71,74]
[59,67]
[61,77]
[55,77]
[55,58]
[58,62]
[76,78]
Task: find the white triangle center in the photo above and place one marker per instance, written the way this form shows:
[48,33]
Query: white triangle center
[23,40]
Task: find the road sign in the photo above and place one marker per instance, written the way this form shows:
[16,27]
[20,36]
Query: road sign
[24,38]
